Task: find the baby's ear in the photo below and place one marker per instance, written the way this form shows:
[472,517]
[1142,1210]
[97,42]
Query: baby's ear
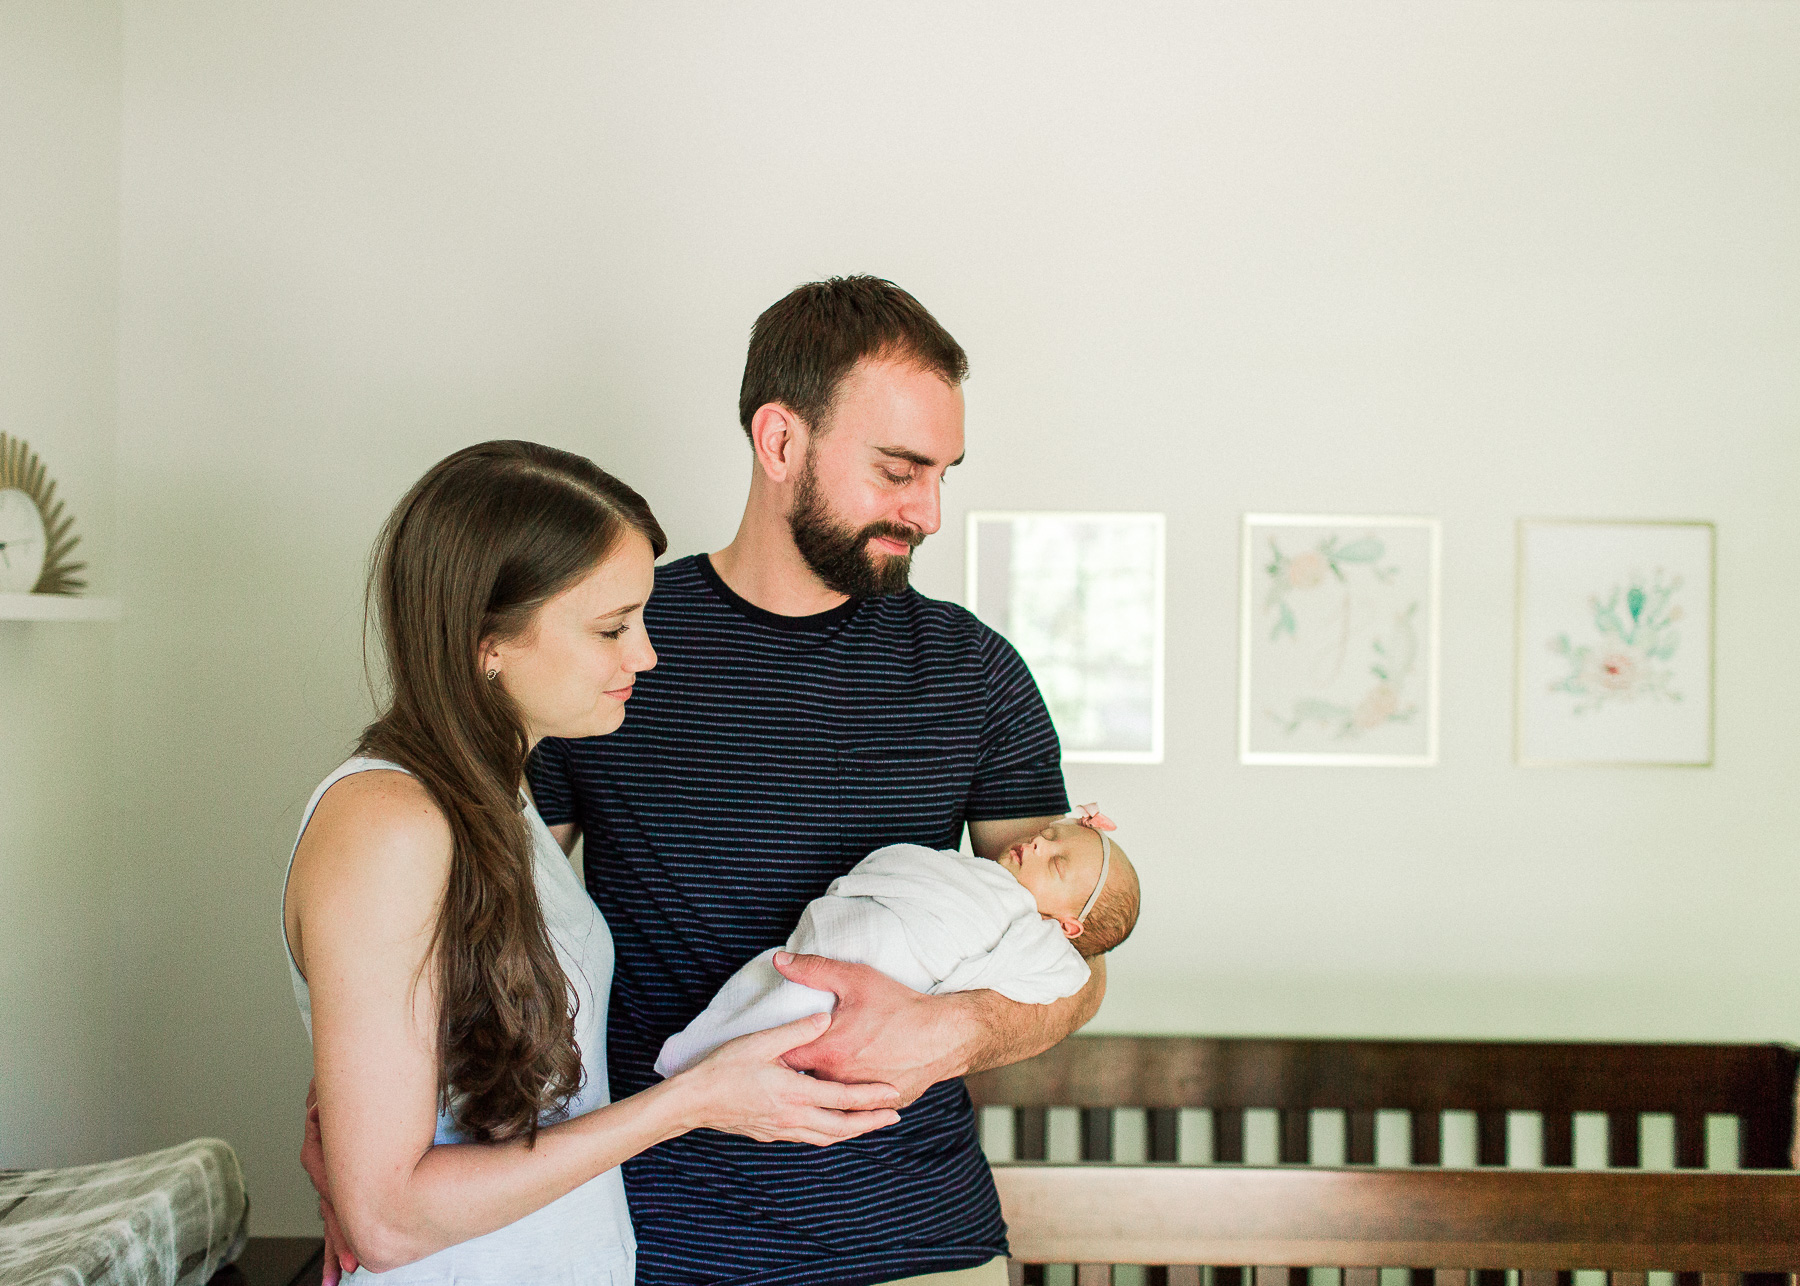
[1071,927]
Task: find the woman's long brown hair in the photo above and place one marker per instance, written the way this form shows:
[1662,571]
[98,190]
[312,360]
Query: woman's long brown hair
[469,555]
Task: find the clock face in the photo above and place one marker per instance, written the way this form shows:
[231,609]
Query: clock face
[22,542]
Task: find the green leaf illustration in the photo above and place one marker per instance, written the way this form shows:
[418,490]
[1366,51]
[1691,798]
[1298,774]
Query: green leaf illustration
[1366,550]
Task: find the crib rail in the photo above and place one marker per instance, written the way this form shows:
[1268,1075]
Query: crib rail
[1752,1083]
[1539,1222]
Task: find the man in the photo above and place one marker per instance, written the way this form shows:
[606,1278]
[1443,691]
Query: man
[808,707]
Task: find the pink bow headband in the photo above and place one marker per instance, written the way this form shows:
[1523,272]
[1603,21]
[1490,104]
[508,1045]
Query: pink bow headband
[1090,816]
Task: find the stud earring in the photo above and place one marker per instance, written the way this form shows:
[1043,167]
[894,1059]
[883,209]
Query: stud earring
[492,675]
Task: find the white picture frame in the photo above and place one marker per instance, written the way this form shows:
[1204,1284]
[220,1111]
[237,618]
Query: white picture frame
[1614,647]
[1338,648]
[1081,596]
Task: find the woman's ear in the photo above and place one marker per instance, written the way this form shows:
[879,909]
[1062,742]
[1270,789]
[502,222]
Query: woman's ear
[487,660]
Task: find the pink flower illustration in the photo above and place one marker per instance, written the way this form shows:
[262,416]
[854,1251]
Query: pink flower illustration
[1304,571]
[1616,671]
[1377,707]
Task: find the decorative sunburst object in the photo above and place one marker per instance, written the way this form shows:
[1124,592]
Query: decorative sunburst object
[36,539]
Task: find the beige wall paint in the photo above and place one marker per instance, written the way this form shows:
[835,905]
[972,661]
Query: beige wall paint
[59,209]
[1471,260]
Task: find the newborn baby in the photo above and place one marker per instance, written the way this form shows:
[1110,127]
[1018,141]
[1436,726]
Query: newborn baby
[941,922]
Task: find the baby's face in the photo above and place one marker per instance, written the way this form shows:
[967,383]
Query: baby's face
[1059,866]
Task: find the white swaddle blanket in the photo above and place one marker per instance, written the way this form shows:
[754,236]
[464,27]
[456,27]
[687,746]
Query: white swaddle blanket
[935,921]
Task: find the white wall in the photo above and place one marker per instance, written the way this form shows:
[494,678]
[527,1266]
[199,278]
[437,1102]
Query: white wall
[1470,260]
[59,211]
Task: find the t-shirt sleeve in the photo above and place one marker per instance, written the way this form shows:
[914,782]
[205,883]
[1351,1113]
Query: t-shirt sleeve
[552,781]
[1019,773]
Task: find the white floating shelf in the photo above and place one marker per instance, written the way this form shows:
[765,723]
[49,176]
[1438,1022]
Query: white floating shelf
[57,607]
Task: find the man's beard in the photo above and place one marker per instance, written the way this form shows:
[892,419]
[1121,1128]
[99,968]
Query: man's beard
[840,556]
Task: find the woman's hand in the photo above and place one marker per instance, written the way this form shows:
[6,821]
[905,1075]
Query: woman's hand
[340,1260]
[744,1087]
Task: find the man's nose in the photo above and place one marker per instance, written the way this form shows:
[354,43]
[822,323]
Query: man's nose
[923,507]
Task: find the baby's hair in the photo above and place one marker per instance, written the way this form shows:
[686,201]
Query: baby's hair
[1115,915]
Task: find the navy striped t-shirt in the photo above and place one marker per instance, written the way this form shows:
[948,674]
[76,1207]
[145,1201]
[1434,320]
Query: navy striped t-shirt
[761,759]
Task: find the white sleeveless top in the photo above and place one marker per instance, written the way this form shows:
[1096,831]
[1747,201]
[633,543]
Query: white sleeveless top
[583,1238]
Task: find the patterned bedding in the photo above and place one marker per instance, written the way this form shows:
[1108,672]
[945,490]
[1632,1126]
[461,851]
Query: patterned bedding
[169,1218]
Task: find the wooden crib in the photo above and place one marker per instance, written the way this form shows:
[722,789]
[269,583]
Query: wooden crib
[1411,1212]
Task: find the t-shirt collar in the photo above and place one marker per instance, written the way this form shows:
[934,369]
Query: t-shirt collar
[815,623]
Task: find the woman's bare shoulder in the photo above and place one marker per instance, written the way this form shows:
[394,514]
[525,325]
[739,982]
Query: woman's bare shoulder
[372,830]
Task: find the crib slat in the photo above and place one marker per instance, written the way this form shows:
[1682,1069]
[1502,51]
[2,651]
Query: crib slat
[1625,1279]
[1690,1146]
[1362,1277]
[1359,1147]
[1622,1140]
[1427,1138]
[1030,1133]
[1228,1135]
[1765,1137]
[1718,1279]
[1539,1277]
[1093,1275]
[1015,1273]
[1451,1277]
[1295,1146]
[1490,1138]
[1096,1134]
[1559,1138]
[1491,1277]
[1184,1275]
[1163,1125]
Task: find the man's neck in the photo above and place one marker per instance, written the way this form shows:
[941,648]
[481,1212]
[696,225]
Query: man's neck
[762,567]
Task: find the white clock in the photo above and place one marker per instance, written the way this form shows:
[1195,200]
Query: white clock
[23,542]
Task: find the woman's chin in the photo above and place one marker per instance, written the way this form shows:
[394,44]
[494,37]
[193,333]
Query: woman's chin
[597,724]
[606,721]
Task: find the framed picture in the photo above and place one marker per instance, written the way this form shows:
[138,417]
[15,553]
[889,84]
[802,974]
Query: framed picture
[1080,595]
[1614,649]
[1338,654]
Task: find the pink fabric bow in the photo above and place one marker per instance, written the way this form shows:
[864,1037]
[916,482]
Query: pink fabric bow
[1089,815]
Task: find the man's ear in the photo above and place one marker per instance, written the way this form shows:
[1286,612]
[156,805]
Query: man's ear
[779,439]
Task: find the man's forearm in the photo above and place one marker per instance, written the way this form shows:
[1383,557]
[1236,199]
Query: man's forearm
[1006,1031]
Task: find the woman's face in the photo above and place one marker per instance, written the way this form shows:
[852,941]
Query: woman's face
[571,672]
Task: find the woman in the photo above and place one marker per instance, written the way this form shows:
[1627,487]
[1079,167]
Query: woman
[452,970]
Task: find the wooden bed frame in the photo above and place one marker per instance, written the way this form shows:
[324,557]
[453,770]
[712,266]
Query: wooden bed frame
[1626,1220]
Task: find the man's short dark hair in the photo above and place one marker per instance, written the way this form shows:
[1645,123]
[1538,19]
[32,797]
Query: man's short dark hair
[804,345]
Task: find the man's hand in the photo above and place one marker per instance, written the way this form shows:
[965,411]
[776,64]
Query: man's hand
[885,1031]
[339,1258]
[881,1030]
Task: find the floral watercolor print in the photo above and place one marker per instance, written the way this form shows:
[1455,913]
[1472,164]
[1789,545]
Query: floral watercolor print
[1615,642]
[1339,647]
[1081,597]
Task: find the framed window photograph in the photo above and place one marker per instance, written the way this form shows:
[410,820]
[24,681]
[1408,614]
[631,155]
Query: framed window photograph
[1080,595]
[1338,640]
[1614,646]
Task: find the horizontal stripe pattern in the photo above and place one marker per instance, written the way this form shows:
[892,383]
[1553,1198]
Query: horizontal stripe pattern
[761,759]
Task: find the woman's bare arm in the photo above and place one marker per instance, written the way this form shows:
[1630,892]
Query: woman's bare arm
[361,907]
